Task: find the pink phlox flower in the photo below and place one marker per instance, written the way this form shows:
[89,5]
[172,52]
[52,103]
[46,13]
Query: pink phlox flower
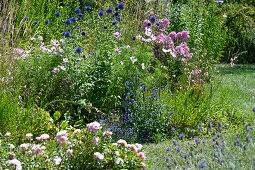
[99,156]
[119,161]
[95,141]
[122,142]
[57,160]
[94,127]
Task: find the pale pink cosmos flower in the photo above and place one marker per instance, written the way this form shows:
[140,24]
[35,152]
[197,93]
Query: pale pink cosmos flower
[40,38]
[128,47]
[69,152]
[57,160]
[117,51]
[95,141]
[61,50]
[99,156]
[32,39]
[107,134]
[55,43]
[119,161]
[143,67]
[7,134]
[121,63]
[117,34]
[133,59]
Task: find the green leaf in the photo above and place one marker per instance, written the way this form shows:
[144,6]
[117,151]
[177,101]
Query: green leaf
[56,115]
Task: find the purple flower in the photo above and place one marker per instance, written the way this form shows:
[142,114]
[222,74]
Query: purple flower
[73,19]
[109,10]
[101,13]
[172,35]
[88,8]
[78,50]
[80,14]
[152,19]
[68,22]
[121,6]
[57,14]
[46,21]
[36,22]
[77,11]
[83,33]
[26,18]
[67,34]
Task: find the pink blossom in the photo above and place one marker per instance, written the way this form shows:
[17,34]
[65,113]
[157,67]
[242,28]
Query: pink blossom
[123,142]
[76,131]
[12,146]
[117,153]
[95,141]
[29,135]
[57,160]
[117,51]
[117,34]
[16,163]
[144,166]
[133,147]
[143,67]
[7,134]
[61,133]
[69,152]
[63,138]
[107,134]
[99,156]
[133,59]
[119,161]
[24,146]
[145,23]
[44,137]
[114,144]
[172,35]
[139,146]
[164,22]
[141,156]
[93,127]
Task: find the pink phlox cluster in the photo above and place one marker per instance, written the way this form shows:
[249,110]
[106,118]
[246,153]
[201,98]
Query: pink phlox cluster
[77,131]
[95,141]
[57,160]
[37,150]
[43,137]
[94,127]
[122,142]
[15,163]
[141,156]
[164,23]
[99,156]
[24,146]
[62,137]
[107,134]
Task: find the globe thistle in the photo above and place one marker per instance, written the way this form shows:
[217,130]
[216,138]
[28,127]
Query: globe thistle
[46,21]
[67,34]
[68,22]
[51,23]
[80,14]
[83,33]
[116,8]
[109,10]
[134,37]
[121,6]
[152,19]
[101,13]
[114,22]
[78,50]
[36,22]
[77,11]
[57,14]
[149,24]
[157,23]
[73,19]
[105,27]
[88,8]
[26,18]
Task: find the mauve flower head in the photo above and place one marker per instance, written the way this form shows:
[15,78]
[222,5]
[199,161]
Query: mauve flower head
[101,13]
[152,19]
[121,6]
[172,35]
[46,21]
[165,23]
[69,152]
[109,10]
[7,134]
[26,18]
[88,8]
[107,134]
[99,156]
[185,35]
[76,131]
[16,163]
[44,137]
[95,141]
[57,14]
[77,11]
[68,22]
[24,146]
[78,50]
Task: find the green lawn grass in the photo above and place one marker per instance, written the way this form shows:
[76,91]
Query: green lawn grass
[237,84]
